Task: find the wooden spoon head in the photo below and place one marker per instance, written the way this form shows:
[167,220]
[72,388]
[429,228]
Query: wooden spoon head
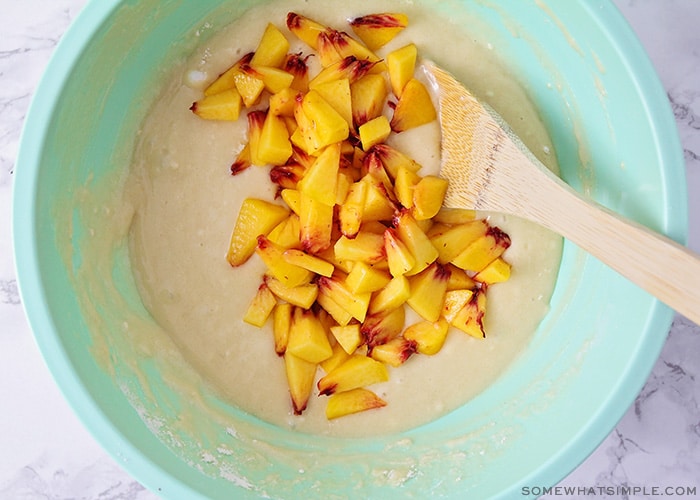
[473,140]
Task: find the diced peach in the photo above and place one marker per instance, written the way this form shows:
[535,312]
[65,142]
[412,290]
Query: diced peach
[242,161]
[287,176]
[378,206]
[300,378]
[366,278]
[454,215]
[302,295]
[375,131]
[428,195]
[351,68]
[368,98]
[274,79]
[343,183]
[309,262]
[393,159]
[497,271]
[415,107]
[224,106]
[357,371]
[256,122]
[320,180]
[402,66]
[459,279]
[255,217]
[226,80]
[483,250]
[415,239]
[429,336]
[454,240]
[282,103]
[376,30]
[398,256]
[352,401]
[292,197]
[395,352]
[249,86]
[393,295]
[308,338]
[307,30]
[289,275]
[260,307]
[281,322]
[404,184]
[274,147]
[365,247]
[348,336]
[372,167]
[339,314]
[336,359]
[296,65]
[428,291]
[328,126]
[455,301]
[354,303]
[337,94]
[380,327]
[272,48]
[350,212]
[316,221]
[470,319]
[348,46]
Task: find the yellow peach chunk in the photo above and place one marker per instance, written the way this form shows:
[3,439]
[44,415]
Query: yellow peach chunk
[308,338]
[224,106]
[272,48]
[352,401]
[320,180]
[316,224]
[348,336]
[483,250]
[260,307]
[226,80]
[415,107]
[376,30]
[300,378]
[428,195]
[393,295]
[309,262]
[357,371]
[255,217]
[429,336]
[395,352]
[366,278]
[288,274]
[375,131]
[281,322]
[497,271]
[402,65]
[302,295]
[274,147]
[368,98]
[428,290]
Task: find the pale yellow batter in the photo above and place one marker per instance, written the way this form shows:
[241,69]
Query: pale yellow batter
[186,205]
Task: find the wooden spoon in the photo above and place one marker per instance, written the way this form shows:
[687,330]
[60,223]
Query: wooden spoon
[488,168]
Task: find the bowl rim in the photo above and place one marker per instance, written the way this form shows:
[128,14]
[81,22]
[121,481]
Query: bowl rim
[35,303]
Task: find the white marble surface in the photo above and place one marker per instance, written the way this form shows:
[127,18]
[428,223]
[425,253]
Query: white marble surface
[46,453]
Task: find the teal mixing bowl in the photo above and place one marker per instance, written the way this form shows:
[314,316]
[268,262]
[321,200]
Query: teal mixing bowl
[615,138]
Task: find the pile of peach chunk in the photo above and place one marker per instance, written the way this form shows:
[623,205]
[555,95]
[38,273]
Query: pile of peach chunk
[356,235]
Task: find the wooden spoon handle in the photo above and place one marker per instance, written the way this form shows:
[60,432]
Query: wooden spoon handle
[656,263]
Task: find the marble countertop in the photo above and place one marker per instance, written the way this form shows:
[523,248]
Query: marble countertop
[46,453]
